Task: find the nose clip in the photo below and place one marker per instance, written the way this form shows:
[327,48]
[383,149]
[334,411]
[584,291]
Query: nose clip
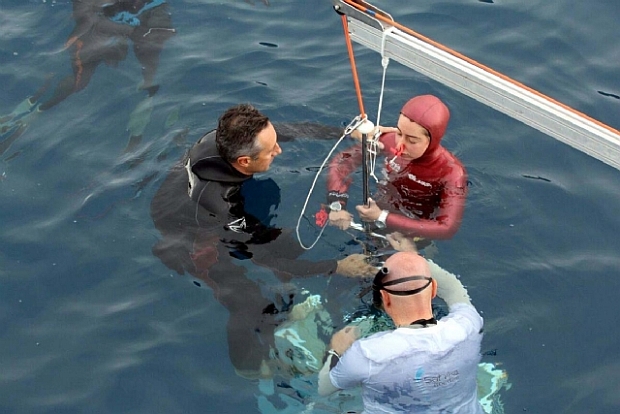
[398,150]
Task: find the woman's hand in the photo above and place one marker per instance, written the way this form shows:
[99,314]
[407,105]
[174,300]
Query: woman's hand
[370,212]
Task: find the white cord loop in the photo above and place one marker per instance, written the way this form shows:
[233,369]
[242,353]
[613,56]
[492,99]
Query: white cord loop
[353,125]
[357,121]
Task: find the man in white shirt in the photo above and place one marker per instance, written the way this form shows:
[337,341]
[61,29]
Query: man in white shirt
[422,366]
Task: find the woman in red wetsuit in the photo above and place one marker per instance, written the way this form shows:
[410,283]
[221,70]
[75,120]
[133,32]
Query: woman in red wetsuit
[424,187]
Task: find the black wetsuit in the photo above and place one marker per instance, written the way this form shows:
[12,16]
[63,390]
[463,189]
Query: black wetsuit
[208,224]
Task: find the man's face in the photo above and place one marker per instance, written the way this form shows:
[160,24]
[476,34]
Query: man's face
[412,140]
[268,142]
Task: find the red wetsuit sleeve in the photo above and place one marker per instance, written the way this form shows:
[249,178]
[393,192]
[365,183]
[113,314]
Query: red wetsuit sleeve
[449,217]
[340,169]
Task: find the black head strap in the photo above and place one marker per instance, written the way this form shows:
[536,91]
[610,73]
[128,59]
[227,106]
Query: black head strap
[378,285]
[402,280]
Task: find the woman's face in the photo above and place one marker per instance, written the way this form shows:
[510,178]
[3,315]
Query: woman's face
[412,140]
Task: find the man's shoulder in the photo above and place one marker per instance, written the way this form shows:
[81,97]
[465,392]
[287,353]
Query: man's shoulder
[383,346]
[206,162]
[464,308]
[204,149]
[373,341]
[465,316]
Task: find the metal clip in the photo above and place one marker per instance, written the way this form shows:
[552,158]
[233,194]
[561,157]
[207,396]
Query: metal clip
[356,122]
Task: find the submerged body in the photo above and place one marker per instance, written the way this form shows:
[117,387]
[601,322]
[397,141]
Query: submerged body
[101,33]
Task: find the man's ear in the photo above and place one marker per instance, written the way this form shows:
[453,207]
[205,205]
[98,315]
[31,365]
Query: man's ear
[434,285]
[244,161]
[386,299]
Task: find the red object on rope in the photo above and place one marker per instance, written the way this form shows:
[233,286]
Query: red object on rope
[321,217]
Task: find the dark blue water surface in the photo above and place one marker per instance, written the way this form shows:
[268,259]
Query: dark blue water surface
[91,321]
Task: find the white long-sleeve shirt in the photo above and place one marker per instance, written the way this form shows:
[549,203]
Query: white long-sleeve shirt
[424,370]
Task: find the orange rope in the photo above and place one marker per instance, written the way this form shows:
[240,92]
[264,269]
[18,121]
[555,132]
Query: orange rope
[356,80]
[446,49]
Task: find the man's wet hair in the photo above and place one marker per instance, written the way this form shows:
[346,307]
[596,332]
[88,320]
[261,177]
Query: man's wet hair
[237,130]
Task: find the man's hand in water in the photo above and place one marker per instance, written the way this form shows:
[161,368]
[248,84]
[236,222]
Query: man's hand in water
[401,242]
[341,219]
[355,265]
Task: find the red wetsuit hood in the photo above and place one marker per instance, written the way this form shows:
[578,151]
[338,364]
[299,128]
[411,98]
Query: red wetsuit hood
[432,114]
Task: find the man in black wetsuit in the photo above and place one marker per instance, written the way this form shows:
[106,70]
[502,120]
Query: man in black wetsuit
[201,211]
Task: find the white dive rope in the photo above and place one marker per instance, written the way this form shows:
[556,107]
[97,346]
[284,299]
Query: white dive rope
[356,122]
[372,146]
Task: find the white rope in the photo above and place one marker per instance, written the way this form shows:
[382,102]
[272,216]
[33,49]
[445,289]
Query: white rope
[373,147]
[385,61]
[356,122]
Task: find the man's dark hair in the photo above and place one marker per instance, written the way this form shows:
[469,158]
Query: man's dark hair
[237,130]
